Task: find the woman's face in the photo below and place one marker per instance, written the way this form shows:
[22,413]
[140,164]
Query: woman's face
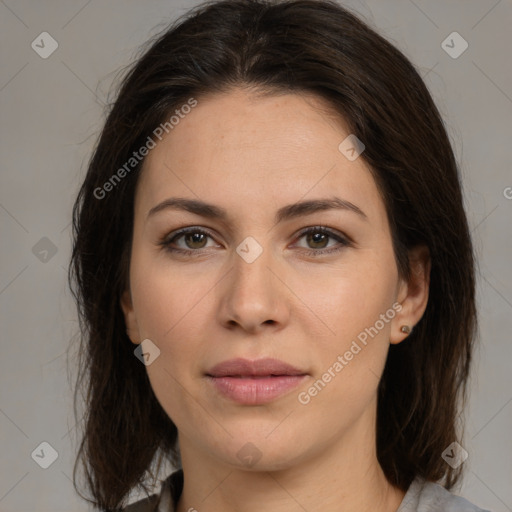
[250,284]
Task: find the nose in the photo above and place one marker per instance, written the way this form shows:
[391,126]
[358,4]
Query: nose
[253,296]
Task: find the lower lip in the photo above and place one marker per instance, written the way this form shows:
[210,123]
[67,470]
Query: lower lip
[254,391]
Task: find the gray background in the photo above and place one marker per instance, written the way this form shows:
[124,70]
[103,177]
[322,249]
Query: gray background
[52,111]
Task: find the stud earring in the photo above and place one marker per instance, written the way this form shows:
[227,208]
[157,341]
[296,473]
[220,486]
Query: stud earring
[406,329]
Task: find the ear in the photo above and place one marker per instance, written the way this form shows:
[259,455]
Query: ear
[132,328]
[412,295]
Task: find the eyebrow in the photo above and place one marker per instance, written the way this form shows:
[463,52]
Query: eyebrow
[285,213]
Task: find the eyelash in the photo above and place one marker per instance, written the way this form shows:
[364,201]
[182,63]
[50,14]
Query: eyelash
[168,239]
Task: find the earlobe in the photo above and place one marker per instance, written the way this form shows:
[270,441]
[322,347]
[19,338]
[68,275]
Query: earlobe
[130,320]
[413,295]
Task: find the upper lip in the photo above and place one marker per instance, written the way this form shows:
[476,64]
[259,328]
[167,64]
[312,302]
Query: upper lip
[240,367]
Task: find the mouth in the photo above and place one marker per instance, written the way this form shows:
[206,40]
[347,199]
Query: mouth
[254,382]
[266,367]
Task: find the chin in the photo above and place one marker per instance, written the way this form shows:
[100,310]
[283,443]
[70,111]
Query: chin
[258,453]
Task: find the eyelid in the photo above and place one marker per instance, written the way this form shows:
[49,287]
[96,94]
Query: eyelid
[167,239]
[333,233]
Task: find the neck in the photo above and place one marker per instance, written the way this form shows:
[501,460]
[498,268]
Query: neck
[344,476]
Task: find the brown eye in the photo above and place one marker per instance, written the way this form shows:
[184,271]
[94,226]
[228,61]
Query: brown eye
[317,240]
[191,241]
[195,240]
[186,241]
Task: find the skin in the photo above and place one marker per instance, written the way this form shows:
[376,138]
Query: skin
[252,155]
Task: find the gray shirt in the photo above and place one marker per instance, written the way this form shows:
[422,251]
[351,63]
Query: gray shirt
[422,496]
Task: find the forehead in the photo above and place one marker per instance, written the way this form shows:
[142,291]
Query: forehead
[244,151]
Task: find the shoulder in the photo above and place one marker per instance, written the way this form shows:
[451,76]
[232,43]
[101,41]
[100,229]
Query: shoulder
[145,505]
[423,496]
[165,500]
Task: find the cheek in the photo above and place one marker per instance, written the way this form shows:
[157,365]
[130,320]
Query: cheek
[168,305]
[350,298]
[165,298]
[171,308]
[350,302]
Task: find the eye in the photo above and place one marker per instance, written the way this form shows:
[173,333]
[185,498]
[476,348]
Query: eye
[317,237]
[195,239]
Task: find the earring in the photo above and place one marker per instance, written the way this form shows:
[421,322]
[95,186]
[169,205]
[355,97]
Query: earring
[406,329]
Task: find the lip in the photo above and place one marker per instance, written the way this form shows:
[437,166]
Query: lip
[254,382]
[240,367]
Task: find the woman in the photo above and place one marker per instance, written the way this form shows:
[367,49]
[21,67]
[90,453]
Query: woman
[274,273]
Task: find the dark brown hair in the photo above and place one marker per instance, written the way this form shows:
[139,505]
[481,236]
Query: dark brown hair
[282,47]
